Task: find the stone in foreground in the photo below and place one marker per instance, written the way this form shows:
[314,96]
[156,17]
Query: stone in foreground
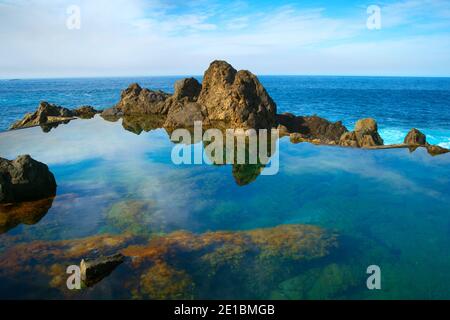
[93,271]
[25,179]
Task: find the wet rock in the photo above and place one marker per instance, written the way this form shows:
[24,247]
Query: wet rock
[50,115]
[85,112]
[138,101]
[187,88]
[310,128]
[93,271]
[415,137]
[46,113]
[297,138]
[25,179]
[436,150]
[348,139]
[236,97]
[366,131]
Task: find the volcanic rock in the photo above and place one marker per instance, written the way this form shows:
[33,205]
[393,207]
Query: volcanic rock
[25,179]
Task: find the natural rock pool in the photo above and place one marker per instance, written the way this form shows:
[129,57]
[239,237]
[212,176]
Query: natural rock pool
[208,231]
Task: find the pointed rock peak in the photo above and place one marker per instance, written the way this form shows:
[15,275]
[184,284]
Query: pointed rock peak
[133,88]
[219,72]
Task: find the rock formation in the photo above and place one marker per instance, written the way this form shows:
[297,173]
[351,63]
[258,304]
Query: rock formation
[25,179]
[309,128]
[93,271]
[365,135]
[236,97]
[415,137]
[48,113]
[138,101]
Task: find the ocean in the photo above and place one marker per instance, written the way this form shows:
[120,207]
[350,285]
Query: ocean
[397,103]
[204,231]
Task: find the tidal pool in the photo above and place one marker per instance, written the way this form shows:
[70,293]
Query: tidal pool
[209,231]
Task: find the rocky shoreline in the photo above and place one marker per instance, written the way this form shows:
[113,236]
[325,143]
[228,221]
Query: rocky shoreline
[226,98]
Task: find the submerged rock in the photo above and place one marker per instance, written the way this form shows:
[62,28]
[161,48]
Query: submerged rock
[415,137]
[178,265]
[93,271]
[25,179]
[48,113]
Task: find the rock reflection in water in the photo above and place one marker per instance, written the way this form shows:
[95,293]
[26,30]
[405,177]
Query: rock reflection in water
[29,213]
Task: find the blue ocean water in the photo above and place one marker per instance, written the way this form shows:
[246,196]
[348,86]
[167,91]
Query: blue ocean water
[398,104]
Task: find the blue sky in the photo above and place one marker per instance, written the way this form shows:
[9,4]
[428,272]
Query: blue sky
[174,37]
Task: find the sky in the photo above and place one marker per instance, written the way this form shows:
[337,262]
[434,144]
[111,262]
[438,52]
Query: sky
[178,37]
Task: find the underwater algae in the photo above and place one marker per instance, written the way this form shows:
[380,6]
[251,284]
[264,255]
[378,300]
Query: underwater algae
[178,265]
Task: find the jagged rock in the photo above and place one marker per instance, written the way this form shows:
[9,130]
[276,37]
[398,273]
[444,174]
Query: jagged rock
[348,139]
[25,179]
[138,101]
[415,137]
[85,112]
[46,113]
[312,128]
[366,131]
[93,271]
[436,150]
[236,97]
[187,88]
[184,115]
[50,115]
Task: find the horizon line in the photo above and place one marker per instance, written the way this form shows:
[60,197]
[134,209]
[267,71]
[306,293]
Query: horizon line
[201,75]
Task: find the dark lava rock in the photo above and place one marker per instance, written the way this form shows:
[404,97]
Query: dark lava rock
[311,127]
[93,271]
[25,179]
[415,137]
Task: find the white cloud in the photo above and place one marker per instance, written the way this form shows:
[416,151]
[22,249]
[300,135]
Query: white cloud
[137,37]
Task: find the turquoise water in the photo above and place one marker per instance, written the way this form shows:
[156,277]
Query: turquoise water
[389,208]
[398,104]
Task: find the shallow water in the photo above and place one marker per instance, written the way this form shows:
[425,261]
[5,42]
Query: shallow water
[389,208]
